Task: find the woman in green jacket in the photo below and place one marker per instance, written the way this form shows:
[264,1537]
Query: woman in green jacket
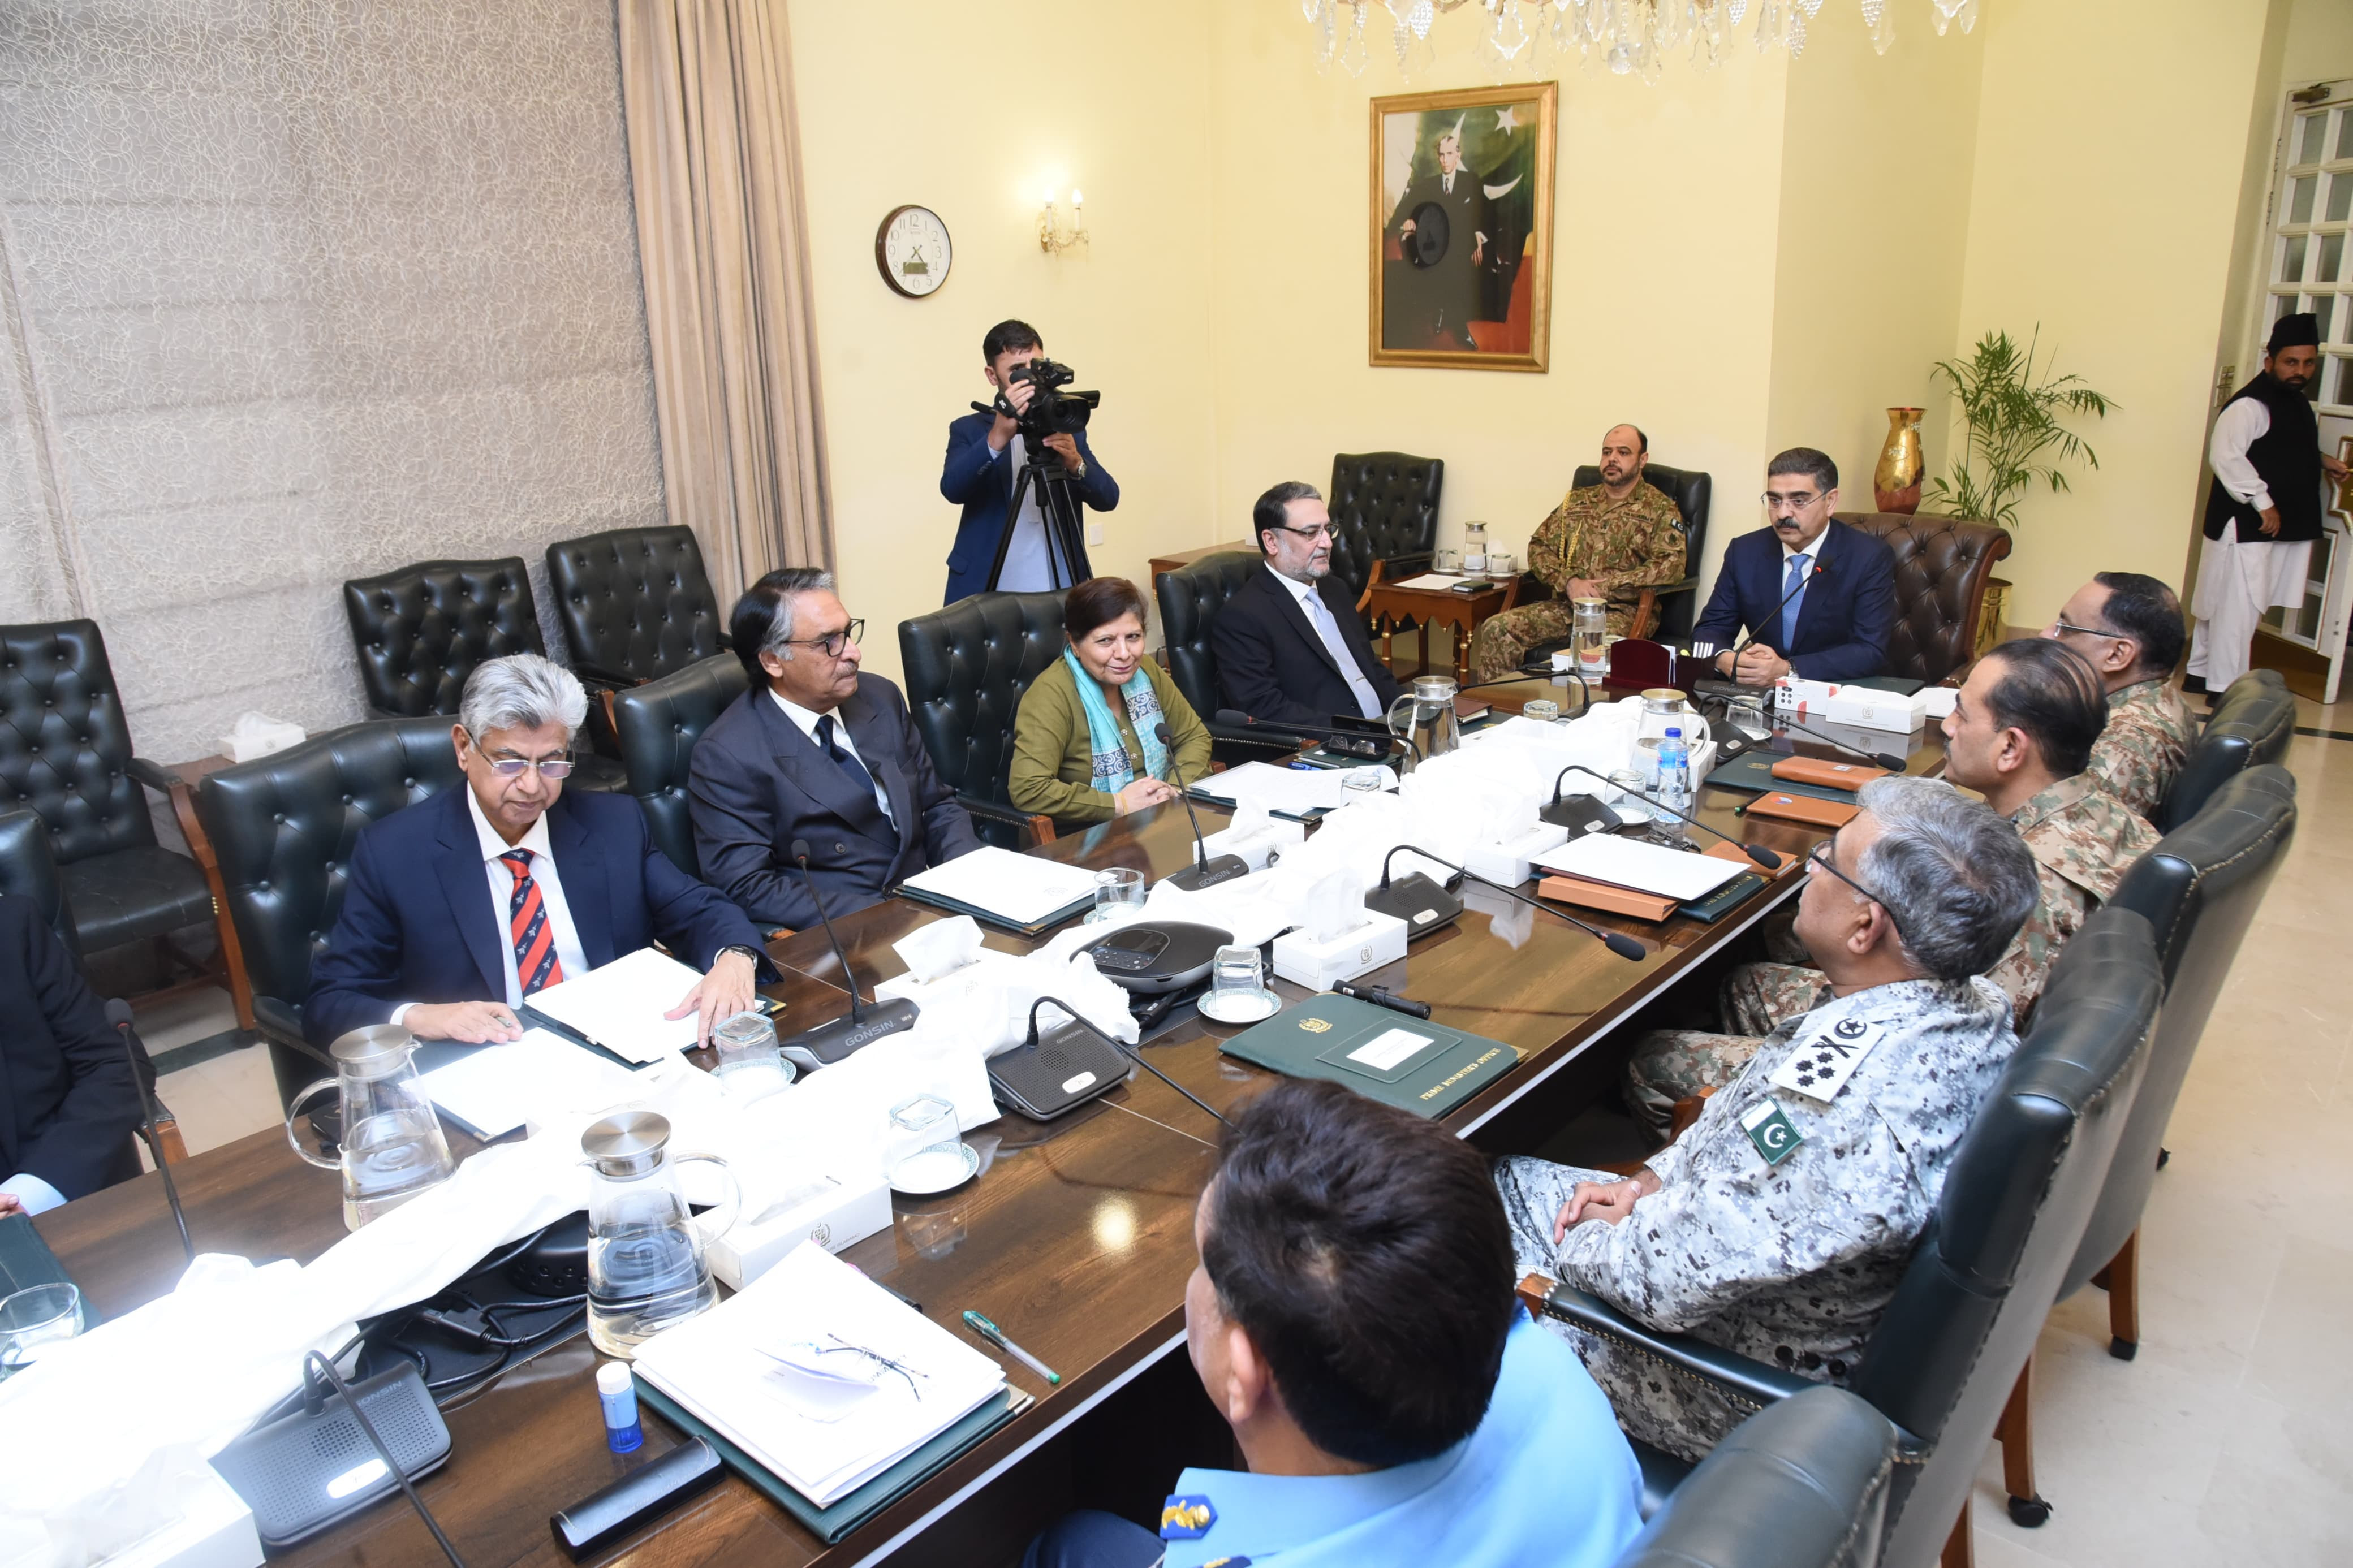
[1085,747]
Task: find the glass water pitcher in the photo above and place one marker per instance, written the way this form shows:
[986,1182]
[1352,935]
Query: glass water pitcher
[647,1271]
[391,1146]
[1424,719]
[1590,635]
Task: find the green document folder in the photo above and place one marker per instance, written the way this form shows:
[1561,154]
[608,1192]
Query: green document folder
[1424,1068]
[1754,771]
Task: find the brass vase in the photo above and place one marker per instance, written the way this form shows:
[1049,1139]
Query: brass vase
[1896,482]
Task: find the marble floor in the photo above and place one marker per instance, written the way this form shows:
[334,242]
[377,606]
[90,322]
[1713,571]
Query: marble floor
[2229,1440]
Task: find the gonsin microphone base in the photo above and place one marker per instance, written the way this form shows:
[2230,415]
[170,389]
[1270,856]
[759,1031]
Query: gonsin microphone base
[1217,868]
[1418,900]
[1055,1073]
[829,1043]
[1581,815]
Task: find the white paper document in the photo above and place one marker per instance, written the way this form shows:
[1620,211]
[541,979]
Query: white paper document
[1390,1049]
[820,1375]
[1020,890]
[1431,580]
[1646,868]
[621,1007]
[498,1088]
[1271,789]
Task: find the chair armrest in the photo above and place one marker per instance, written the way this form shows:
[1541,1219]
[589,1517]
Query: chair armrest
[1688,585]
[597,675]
[277,1021]
[1412,563]
[154,775]
[1040,828]
[167,1147]
[1748,1381]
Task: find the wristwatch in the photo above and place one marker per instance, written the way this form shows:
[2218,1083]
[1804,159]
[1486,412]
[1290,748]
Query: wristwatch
[755,955]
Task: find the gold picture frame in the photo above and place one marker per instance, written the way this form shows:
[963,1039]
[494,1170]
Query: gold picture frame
[1449,301]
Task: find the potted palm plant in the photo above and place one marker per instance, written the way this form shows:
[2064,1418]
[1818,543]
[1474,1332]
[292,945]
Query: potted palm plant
[2013,411]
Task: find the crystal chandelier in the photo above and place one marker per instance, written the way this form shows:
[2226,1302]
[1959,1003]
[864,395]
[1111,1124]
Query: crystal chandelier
[1629,37]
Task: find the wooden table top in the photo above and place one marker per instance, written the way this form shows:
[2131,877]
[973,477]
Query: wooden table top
[1076,1236]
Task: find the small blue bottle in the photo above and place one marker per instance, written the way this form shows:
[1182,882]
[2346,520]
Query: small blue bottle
[616,1391]
[1674,783]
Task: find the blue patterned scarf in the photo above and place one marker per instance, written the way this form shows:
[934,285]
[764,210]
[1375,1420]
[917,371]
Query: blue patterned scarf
[1113,771]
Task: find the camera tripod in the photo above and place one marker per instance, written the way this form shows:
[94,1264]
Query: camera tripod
[1058,499]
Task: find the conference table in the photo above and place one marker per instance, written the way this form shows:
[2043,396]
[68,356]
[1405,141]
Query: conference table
[1076,1237]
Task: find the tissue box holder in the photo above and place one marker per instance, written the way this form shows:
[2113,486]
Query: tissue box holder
[1511,863]
[215,1530]
[1864,706]
[848,1212]
[1304,960]
[1258,850]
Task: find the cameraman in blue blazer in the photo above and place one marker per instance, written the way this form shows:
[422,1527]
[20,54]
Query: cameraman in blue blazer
[1816,595]
[985,451]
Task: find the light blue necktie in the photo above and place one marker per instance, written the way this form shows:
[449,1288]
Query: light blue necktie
[1319,615]
[1794,592]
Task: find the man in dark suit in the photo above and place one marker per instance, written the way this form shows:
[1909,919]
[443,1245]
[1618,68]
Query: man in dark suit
[815,750]
[985,451]
[1451,283]
[68,1104]
[460,906]
[1816,595]
[1289,645]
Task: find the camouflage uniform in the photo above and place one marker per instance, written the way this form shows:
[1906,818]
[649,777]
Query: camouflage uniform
[1789,1264]
[1622,546]
[2083,843]
[2139,754]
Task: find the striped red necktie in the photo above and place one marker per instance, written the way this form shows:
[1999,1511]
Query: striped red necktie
[536,965]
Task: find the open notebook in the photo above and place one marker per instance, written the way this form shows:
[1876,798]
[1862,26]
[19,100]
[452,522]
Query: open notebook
[819,1374]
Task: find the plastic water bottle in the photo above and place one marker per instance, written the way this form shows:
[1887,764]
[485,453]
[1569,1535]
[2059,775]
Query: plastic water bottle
[1674,783]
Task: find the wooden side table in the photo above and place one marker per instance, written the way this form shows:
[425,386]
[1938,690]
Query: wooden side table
[1389,605]
[1164,564]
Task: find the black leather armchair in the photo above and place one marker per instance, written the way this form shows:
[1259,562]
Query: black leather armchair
[2251,725]
[1664,613]
[636,604]
[658,723]
[1945,1356]
[967,668]
[1383,508]
[283,826]
[1190,598]
[28,871]
[65,754]
[420,631]
[1800,1484]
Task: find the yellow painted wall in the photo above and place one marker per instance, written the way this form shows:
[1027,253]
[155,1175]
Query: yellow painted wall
[2111,148]
[971,110]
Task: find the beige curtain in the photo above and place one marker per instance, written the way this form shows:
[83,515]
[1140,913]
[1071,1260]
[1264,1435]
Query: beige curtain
[715,160]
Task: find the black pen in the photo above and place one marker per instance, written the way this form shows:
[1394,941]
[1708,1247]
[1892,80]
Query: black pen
[1381,998]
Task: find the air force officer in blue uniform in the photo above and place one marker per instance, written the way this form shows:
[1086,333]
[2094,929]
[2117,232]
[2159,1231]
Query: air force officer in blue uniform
[461,908]
[1817,595]
[1351,1318]
[985,451]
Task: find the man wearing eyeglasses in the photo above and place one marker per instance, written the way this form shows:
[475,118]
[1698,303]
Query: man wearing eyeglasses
[1779,1224]
[818,750]
[1289,646]
[2129,626]
[1816,596]
[459,909]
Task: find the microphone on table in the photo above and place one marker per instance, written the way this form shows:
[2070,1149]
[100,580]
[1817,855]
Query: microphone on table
[1584,692]
[1205,871]
[1077,1021]
[1416,899]
[867,1023]
[1235,717]
[1742,646]
[1888,760]
[118,1015]
[1757,852]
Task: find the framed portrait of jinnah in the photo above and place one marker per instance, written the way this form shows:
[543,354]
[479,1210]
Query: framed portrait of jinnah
[1461,228]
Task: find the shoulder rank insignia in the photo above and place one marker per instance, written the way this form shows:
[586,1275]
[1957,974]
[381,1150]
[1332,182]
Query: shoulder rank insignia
[1187,1517]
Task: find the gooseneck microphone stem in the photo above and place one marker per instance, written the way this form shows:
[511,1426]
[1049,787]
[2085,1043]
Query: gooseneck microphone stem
[314,1362]
[1888,760]
[1736,649]
[1757,852]
[118,1013]
[1235,717]
[849,981]
[1204,872]
[1624,946]
[830,1041]
[1115,1043]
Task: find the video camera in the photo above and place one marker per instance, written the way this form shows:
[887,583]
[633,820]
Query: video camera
[1051,411]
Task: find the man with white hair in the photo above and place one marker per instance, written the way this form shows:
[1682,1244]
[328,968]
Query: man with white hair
[461,907]
[1779,1224]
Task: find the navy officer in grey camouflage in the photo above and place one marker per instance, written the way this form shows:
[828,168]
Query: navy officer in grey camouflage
[1779,1224]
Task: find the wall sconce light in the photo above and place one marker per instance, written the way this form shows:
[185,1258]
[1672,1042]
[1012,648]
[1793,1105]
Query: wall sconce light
[1052,236]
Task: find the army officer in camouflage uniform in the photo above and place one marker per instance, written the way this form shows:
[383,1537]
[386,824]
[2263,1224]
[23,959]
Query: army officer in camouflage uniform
[2129,625]
[1778,1224]
[1606,541]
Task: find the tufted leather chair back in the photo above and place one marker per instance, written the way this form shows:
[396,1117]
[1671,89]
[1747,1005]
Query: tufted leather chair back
[2251,725]
[636,603]
[1942,566]
[1190,598]
[1692,492]
[1800,1484]
[967,668]
[1382,504]
[421,630]
[2016,1198]
[658,723]
[28,871]
[2199,888]
[64,747]
[283,826]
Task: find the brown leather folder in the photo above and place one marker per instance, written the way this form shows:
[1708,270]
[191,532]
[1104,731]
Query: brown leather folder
[1829,775]
[1812,810]
[1603,895]
[1739,856]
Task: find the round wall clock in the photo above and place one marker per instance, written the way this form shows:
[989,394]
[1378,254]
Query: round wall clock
[911,251]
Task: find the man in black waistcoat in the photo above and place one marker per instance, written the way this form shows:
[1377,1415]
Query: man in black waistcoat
[2264,509]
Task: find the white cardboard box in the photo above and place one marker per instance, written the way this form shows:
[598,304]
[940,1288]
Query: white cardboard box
[846,1212]
[1304,960]
[1864,706]
[1510,864]
[215,1530]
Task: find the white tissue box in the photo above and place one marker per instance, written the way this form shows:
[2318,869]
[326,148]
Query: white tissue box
[1258,849]
[215,1530]
[257,735]
[846,1212]
[1864,706]
[1304,960]
[1510,863]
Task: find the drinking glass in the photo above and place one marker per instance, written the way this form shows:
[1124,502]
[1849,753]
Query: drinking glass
[1629,801]
[1238,992]
[1447,561]
[1360,783]
[36,1317]
[750,1067]
[1503,565]
[1119,894]
[926,1150]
